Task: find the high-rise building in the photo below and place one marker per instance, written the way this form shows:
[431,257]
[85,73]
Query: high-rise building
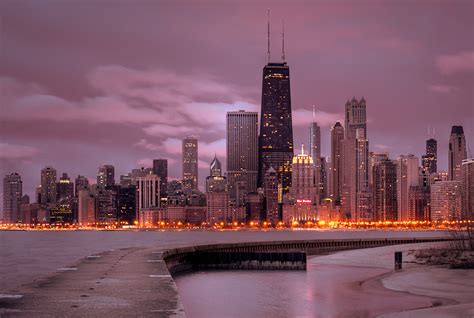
[190,163]
[65,188]
[217,197]
[242,151]
[418,204]
[303,187]
[314,133]
[276,130]
[430,159]
[446,201]
[48,185]
[337,135]
[355,117]
[215,182]
[272,206]
[81,183]
[407,176]
[106,176]
[467,170]
[148,194]
[12,193]
[160,168]
[127,204]
[356,195]
[457,152]
[385,190]
[87,207]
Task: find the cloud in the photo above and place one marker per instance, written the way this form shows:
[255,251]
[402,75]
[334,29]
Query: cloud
[143,143]
[17,152]
[459,62]
[382,147]
[302,117]
[442,89]
[145,162]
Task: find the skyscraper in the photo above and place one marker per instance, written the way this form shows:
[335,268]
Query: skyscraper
[385,190]
[457,152]
[430,159]
[160,168]
[242,151]
[148,192]
[337,135]
[12,193]
[303,187]
[407,176]
[276,131]
[65,188]
[355,117]
[216,194]
[48,185]
[446,201]
[81,183]
[356,195]
[106,176]
[190,163]
[270,186]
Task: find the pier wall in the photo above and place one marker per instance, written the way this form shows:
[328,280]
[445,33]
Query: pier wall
[274,255]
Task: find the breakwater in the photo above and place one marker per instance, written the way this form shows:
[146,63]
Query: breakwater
[277,255]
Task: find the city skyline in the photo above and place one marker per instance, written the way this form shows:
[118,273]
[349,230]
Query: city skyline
[149,130]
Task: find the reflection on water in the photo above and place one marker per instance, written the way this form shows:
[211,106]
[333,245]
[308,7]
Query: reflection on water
[321,291]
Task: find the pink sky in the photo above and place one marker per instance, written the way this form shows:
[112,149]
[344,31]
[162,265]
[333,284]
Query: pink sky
[85,83]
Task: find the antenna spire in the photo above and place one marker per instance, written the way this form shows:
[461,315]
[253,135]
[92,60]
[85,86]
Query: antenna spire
[314,114]
[283,41]
[268,35]
[302,148]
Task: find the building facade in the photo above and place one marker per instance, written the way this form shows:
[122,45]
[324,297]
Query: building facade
[12,194]
[456,153]
[407,176]
[242,152]
[190,163]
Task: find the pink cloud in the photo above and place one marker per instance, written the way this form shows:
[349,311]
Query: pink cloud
[303,117]
[443,89]
[459,62]
[17,152]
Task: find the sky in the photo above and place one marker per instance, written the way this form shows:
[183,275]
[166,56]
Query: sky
[85,83]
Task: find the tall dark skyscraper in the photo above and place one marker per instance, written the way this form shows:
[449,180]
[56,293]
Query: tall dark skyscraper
[276,132]
[457,152]
[106,176]
[190,163]
[429,160]
[48,185]
[160,168]
[337,136]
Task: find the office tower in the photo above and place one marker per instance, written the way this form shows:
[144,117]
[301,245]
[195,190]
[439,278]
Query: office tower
[242,152]
[374,158]
[254,207]
[48,185]
[303,187]
[127,203]
[446,201]
[337,135]
[418,204]
[147,197]
[407,176]
[216,194]
[457,152]
[81,183]
[385,190]
[87,207]
[135,173]
[12,193]
[270,186]
[276,131]
[160,168]
[106,204]
[190,163]
[429,160]
[106,176]
[356,195]
[321,180]
[467,170]
[355,117]
[314,133]
[215,182]
[65,188]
